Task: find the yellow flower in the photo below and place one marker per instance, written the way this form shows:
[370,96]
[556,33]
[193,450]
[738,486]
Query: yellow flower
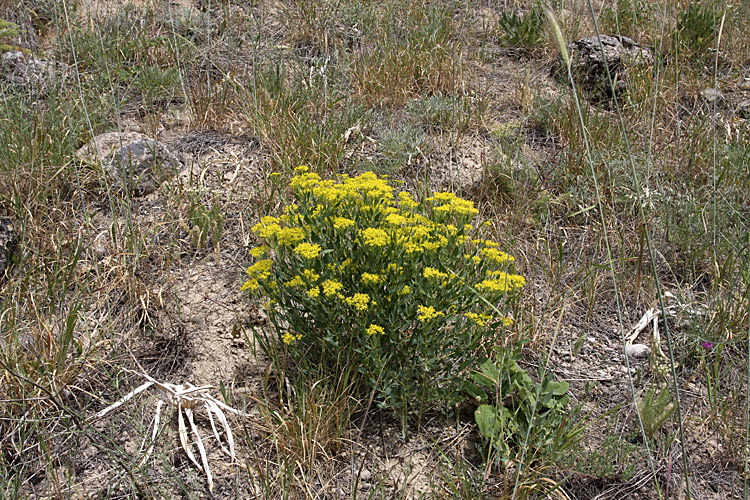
[296,281]
[310,275]
[289,338]
[427,313]
[267,227]
[358,301]
[290,236]
[502,283]
[479,319]
[314,292]
[375,330]
[342,223]
[396,219]
[332,287]
[474,258]
[432,273]
[259,271]
[372,279]
[406,201]
[302,169]
[250,285]
[495,255]
[259,252]
[405,290]
[308,250]
[374,237]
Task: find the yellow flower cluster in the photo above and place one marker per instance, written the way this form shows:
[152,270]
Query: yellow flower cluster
[372,279]
[502,283]
[479,319]
[342,223]
[375,330]
[433,274]
[307,250]
[259,252]
[358,301]
[258,272]
[331,288]
[289,338]
[449,203]
[496,256]
[374,237]
[428,313]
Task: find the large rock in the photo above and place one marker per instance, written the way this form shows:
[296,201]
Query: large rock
[26,72]
[589,64]
[132,161]
[8,244]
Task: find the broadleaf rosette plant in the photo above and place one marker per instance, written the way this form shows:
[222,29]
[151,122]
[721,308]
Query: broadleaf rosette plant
[354,274]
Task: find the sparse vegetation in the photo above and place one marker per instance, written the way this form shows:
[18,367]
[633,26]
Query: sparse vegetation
[610,211]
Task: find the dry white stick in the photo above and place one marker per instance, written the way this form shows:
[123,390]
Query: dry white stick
[183,439]
[651,315]
[154,431]
[121,401]
[201,449]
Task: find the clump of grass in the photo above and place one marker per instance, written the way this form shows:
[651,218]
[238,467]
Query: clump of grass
[401,147]
[449,113]
[299,120]
[521,31]
[414,51]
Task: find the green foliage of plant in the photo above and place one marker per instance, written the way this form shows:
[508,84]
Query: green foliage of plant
[614,459]
[411,53]
[440,111]
[402,146]
[698,26]
[655,408]
[8,29]
[624,17]
[518,30]
[520,414]
[356,276]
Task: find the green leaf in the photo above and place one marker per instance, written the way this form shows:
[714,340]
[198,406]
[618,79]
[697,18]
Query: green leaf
[475,392]
[489,422]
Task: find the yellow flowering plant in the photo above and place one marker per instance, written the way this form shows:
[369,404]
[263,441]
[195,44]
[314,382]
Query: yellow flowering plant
[356,275]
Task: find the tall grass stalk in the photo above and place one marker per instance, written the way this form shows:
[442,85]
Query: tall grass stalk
[647,233]
[610,261]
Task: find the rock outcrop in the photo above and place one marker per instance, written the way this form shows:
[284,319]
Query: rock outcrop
[132,161]
[590,60]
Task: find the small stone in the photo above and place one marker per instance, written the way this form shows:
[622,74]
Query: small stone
[637,351]
[711,95]
[365,475]
[25,71]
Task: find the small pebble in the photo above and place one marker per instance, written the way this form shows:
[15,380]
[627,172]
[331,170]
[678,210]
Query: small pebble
[637,351]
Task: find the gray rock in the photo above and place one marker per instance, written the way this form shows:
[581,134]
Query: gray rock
[637,351]
[589,64]
[131,160]
[29,73]
[8,244]
[711,94]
